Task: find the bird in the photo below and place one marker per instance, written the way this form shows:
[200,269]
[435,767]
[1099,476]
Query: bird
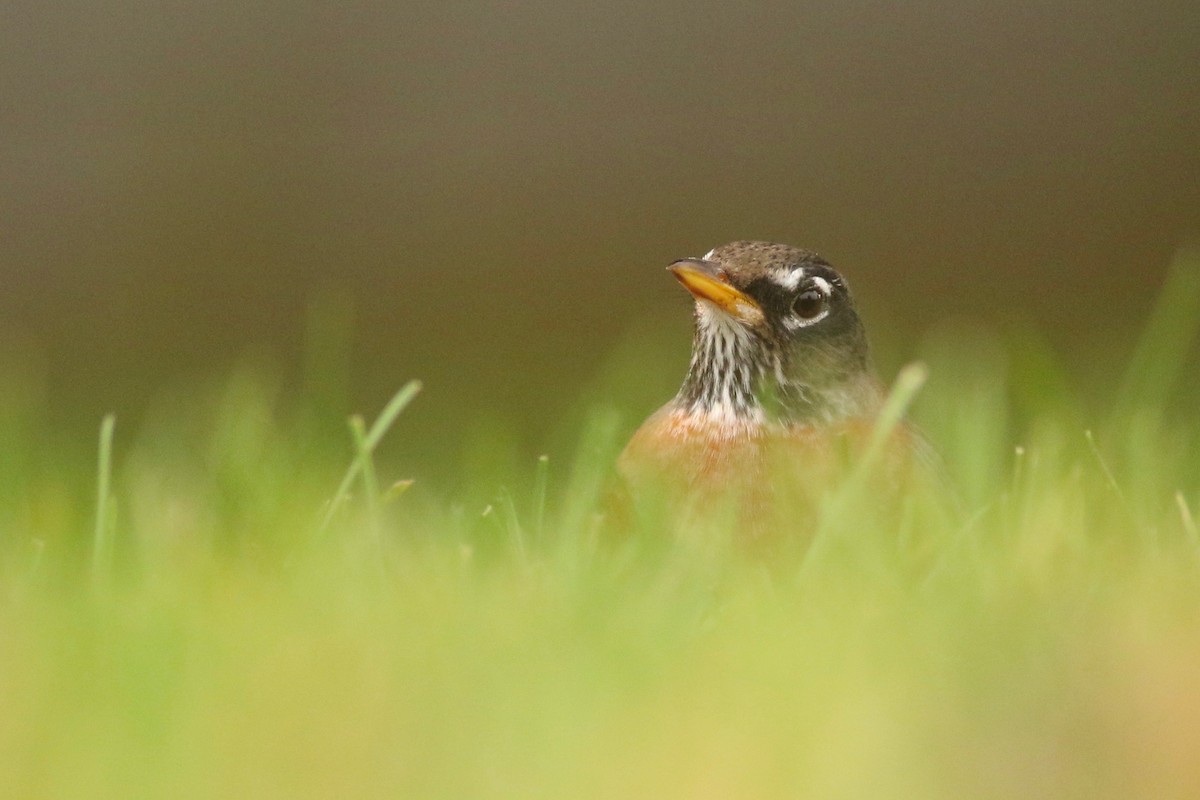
[780,395]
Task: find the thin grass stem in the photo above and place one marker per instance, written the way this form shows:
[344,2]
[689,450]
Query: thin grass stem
[369,442]
[540,484]
[366,464]
[511,522]
[1162,350]
[102,530]
[1109,477]
[1189,521]
[907,385]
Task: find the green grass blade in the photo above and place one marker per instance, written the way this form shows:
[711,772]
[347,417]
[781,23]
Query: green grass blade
[1188,520]
[390,412]
[1162,352]
[101,533]
[541,482]
[512,526]
[904,390]
[366,464]
[368,443]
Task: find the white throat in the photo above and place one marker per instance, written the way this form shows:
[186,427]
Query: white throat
[725,369]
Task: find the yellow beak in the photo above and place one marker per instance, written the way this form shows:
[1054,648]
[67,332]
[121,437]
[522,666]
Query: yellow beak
[705,282]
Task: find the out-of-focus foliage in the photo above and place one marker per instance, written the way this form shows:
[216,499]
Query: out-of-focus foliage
[503,639]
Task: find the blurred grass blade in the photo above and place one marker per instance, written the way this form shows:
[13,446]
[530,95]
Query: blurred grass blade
[366,464]
[387,417]
[1188,520]
[541,482]
[35,562]
[100,535]
[510,521]
[1109,477]
[589,472]
[908,383]
[398,488]
[904,390]
[1162,352]
[367,444]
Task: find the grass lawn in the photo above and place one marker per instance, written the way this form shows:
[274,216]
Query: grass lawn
[204,613]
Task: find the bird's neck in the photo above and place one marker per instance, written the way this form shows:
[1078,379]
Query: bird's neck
[738,378]
[824,401]
[729,363]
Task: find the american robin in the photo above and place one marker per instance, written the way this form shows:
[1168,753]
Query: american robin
[780,395]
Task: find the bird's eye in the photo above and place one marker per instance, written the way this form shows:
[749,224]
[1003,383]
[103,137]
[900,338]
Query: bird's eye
[809,304]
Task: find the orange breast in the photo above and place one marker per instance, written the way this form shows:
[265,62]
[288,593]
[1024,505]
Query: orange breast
[763,471]
[692,453]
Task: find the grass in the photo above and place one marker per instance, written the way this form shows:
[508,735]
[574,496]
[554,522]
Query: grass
[254,630]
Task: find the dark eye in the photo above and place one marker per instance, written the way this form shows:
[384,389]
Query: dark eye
[809,304]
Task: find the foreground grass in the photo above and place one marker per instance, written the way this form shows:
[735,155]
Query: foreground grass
[218,630]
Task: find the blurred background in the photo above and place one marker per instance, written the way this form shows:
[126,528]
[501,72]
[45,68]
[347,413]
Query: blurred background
[485,195]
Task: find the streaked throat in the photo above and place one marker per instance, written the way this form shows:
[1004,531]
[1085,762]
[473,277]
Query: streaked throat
[729,362]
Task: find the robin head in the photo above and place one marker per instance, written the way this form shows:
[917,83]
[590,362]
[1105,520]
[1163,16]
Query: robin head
[777,336]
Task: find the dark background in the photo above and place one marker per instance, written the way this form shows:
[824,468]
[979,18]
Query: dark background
[484,195]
